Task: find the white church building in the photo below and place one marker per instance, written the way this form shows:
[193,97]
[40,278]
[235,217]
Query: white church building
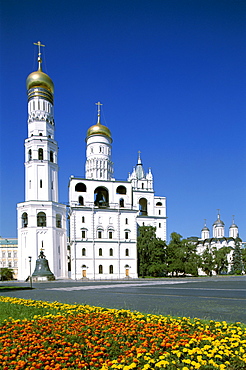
[103,213]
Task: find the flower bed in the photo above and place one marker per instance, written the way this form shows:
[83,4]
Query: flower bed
[85,337]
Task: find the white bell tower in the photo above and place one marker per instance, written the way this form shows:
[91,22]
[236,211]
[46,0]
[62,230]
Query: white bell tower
[41,219]
[99,165]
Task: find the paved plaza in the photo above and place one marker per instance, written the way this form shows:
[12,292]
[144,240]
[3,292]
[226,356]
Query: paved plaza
[214,298]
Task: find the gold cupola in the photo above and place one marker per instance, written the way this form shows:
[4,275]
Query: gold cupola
[38,83]
[98,128]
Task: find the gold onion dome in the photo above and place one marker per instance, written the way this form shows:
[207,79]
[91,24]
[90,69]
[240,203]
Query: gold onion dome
[98,129]
[39,79]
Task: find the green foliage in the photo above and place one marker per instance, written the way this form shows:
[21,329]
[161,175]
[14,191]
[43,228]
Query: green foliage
[220,259]
[207,263]
[151,252]
[6,274]
[237,262]
[181,256]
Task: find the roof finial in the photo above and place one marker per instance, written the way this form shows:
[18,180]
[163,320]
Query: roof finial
[139,158]
[233,219]
[98,112]
[218,213]
[39,54]
[205,222]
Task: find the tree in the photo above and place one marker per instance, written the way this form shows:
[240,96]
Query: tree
[181,256]
[237,263]
[151,252]
[220,259]
[6,274]
[207,263]
[244,259]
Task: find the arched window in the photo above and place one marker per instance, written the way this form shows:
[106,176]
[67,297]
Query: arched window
[83,234]
[51,156]
[110,234]
[111,269]
[58,221]
[126,221]
[111,252]
[100,269]
[83,219]
[24,218]
[81,201]
[29,154]
[127,252]
[41,219]
[143,207]
[100,252]
[121,189]
[121,202]
[83,252]
[80,187]
[101,197]
[159,204]
[40,154]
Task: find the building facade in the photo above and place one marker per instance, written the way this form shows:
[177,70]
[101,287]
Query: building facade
[103,213]
[218,239]
[9,255]
[41,218]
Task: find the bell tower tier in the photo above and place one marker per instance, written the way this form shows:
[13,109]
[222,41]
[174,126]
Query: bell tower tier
[99,165]
[41,219]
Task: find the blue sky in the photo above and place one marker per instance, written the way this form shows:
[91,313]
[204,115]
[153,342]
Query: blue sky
[171,77]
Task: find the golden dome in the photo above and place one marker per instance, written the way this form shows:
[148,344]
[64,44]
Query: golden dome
[39,79]
[98,129]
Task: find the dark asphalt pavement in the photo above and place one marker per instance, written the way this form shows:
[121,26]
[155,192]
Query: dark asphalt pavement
[215,298]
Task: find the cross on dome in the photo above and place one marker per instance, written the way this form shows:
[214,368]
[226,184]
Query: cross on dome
[98,111]
[39,54]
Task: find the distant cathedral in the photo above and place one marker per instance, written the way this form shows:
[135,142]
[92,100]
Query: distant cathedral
[218,239]
[103,213]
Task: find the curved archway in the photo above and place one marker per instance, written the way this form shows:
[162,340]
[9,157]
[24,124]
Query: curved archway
[101,197]
[143,207]
[159,204]
[80,187]
[121,189]
[24,219]
[41,219]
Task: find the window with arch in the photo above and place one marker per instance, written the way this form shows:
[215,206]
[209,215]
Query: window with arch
[41,219]
[83,219]
[159,204]
[159,225]
[142,185]
[126,221]
[121,189]
[127,252]
[111,269]
[80,187]
[100,269]
[99,234]
[81,200]
[159,212]
[121,202]
[58,221]
[40,154]
[51,156]
[126,235]
[29,154]
[101,198]
[110,234]
[83,252]
[111,252]
[100,252]
[83,234]
[24,219]
[143,207]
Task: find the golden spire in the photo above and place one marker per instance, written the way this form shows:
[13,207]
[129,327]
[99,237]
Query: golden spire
[39,54]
